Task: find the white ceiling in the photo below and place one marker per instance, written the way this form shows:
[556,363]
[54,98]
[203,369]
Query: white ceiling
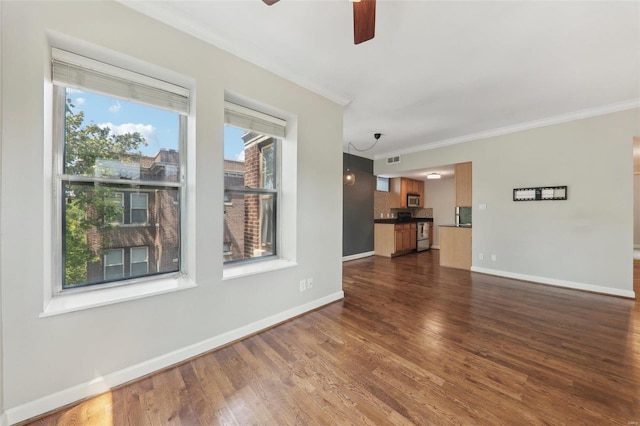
[437,72]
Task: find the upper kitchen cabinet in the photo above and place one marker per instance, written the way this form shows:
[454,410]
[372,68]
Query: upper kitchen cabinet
[463,184]
[400,187]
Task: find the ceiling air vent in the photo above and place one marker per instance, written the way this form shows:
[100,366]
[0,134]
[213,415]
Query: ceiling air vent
[393,160]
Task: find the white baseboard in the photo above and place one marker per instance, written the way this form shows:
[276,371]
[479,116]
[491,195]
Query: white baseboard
[435,247]
[104,383]
[358,256]
[556,282]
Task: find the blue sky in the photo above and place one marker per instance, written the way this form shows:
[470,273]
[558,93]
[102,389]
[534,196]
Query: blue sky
[159,127]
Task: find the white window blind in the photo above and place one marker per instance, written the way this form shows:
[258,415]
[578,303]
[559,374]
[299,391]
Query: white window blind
[248,119]
[79,72]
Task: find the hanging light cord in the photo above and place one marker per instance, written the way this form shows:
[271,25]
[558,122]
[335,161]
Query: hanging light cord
[376,135]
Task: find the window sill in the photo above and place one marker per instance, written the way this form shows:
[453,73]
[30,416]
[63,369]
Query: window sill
[242,270]
[92,298]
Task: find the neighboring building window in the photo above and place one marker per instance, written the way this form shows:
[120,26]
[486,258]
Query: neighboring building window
[226,248]
[139,261]
[139,208]
[118,135]
[118,206]
[113,264]
[251,184]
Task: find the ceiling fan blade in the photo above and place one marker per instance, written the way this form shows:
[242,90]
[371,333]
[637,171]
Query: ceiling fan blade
[270,2]
[364,20]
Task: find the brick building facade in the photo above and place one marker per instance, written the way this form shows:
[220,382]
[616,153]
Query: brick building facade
[144,238]
[248,232]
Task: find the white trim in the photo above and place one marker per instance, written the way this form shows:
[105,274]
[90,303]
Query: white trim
[83,298]
[556,282]
[104,383]
[243,269]
[436,247]
[358,256]
[636,254]
[169,14]
[563,118]
[3,419]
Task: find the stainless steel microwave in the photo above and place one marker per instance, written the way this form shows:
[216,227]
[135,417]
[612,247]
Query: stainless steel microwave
[413,200]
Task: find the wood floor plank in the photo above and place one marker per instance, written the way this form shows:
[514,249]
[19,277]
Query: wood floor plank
[410,344]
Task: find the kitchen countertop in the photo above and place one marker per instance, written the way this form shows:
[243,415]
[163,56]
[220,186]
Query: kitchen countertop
[394,220]
[455,226]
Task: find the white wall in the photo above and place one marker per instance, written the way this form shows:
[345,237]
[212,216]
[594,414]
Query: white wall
[585,241]
[81,352]
[440,195]
[2,413]
[636,211]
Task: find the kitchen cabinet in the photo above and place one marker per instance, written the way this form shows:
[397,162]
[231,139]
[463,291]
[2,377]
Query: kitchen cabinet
[394,239]
[405,237]
[455,247]
[463,184]
[400,187]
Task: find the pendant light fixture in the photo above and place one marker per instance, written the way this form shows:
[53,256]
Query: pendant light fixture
[349,178]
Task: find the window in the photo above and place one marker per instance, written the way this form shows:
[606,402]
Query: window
[139,208]
[139,261]
[251,184]
[118,139]
[118,205]
[382,184]
[113,264]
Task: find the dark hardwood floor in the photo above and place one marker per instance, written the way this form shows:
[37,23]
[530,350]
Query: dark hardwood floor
[411,343]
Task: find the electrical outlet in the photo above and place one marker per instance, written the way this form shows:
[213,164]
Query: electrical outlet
[309,282]
[303,285]
[481,256]
[494,257]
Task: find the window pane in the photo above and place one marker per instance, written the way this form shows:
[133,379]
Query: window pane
[117,215]
[113,272]
[89,242]
[138,254]
[112,138]
[138,269]
[268,166]
[382,184]
[113,257]
[249,226]
[139,201]
[250,218]
[138,216]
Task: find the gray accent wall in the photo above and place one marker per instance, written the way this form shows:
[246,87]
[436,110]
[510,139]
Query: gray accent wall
[357,201]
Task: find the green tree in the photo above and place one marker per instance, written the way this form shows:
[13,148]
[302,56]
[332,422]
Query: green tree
[89,205]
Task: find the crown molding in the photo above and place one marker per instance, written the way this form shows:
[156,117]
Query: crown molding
[169,15]
[562,118]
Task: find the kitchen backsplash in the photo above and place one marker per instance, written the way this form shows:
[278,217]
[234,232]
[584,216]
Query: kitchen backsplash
[381,207]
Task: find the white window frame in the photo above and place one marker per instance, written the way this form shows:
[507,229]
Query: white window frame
[146,258]
[268,127]
[105,265]
[56,301]
[286,178]
[131,209]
